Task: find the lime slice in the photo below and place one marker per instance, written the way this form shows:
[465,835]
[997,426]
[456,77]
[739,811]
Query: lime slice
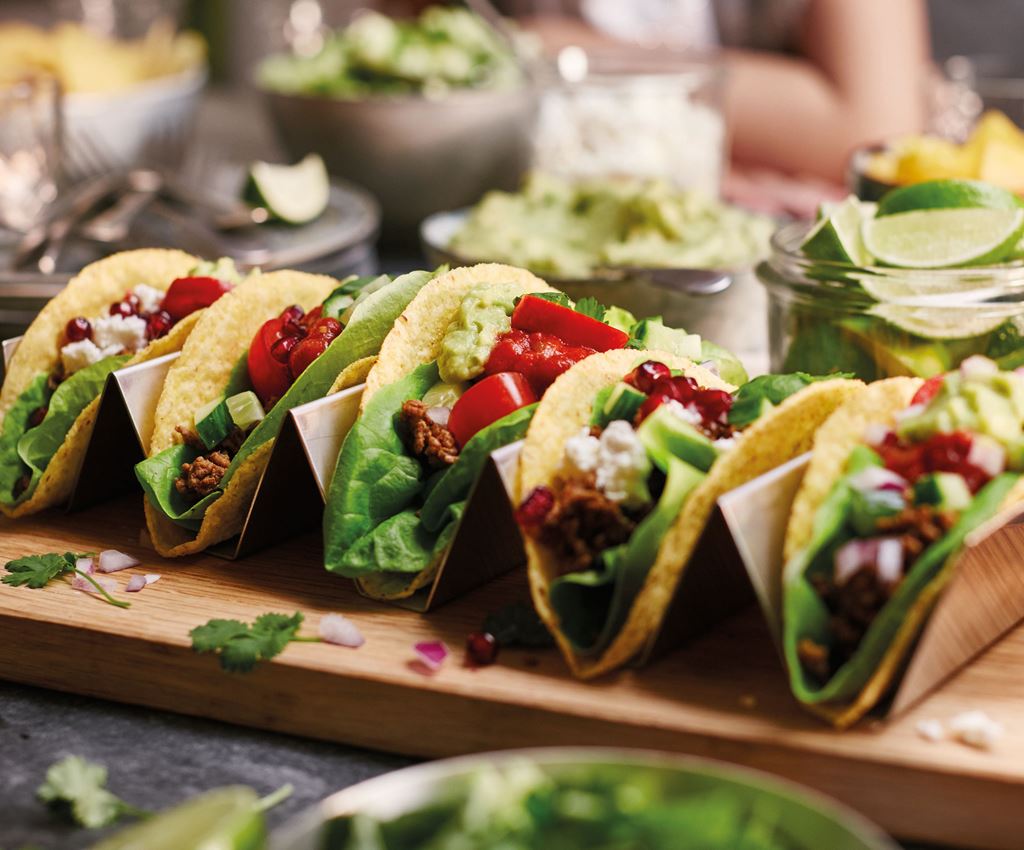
[944,323]
[837,236]
[294,194]
[935,239]
[926,286]
[947,194]
[225,819]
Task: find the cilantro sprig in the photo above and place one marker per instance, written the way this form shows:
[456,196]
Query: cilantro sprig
[77,789]
[240,646]
[37,571]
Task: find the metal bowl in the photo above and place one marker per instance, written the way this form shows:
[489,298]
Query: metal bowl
[811,821]
[416,155]
[731,311]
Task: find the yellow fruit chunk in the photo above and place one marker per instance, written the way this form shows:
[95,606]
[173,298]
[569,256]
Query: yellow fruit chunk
[1003,164]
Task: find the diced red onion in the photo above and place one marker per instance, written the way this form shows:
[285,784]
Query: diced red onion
[912,411]
[977,366]
[85,565]
[341,631]
[439,415]
[110,561]
[152,577]
[877,478]
[883,553]
[1019,370]
[137,582]
[986,454]
[80,583]
[712,367]
[875,434]
[431,653]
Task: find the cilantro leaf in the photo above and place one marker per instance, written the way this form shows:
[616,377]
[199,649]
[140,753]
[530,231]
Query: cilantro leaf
[589,306]
[37,571]
[76,787]
[240,646]
[559,298]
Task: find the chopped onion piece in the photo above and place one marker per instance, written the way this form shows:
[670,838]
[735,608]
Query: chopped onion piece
[85,565]
[152,577]
[340,630]
[885,554]
[889,560]
[911,412]
[875,434]
[877,478]
[439,415]
[986,454]
[110,561]
[712,367]
[137,583]
[81,583]
[977,366]
[431,653]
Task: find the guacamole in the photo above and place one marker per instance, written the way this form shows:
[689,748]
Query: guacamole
[555,227]
[484,315]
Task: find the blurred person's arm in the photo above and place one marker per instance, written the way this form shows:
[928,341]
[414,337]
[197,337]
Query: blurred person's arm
[860,79]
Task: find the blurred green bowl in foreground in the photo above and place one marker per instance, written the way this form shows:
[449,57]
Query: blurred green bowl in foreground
[571,799]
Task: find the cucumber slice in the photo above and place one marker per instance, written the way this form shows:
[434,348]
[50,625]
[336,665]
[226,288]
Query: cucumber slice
[623,402]
[345,295]
[294,194]
[665,436]
[213,422]
[245,410]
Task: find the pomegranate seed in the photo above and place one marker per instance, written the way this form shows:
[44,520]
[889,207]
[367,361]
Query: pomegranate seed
[644,376]
[305,352]
[78,329]
[327,327]
[158,324]
[132,300]
[120,308]
[648,407]
[535,508]
[294,329]
[282,348]
[714,404]
[687,388]
[481,649]
[295,312]
[669,388]
[313,316]
[37,416]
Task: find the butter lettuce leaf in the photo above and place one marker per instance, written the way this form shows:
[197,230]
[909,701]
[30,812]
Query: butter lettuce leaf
[756,397]
[15,424]
[157,475]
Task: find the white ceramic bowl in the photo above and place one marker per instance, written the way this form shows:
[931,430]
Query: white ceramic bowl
[148,123]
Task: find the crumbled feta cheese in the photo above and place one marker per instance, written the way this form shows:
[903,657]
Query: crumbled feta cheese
[622,464]
[149,297]
[976,729]
[931,730]
[725,444]
[119,333]
[78,355]
[581,451]
[687,414]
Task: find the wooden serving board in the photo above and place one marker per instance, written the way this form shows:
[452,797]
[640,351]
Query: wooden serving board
[723,696]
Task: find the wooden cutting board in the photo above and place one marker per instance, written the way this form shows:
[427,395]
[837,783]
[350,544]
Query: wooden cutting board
[723,696]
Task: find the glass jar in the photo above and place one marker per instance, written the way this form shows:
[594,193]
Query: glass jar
[878,322]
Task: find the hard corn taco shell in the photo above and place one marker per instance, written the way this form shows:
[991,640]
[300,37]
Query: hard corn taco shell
[415,340]
[835,440]
[222,336]
[781,434]
[88,294]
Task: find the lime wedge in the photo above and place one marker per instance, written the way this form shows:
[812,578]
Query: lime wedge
[837,235]
[946,238]
[295,194]
[944,323]
[225,819]
[947,194]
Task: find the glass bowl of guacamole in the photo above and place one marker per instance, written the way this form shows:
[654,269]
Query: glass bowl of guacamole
[593,799]
[880,321]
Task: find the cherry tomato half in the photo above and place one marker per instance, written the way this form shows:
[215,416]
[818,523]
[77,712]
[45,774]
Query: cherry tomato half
[188,294]
[928,390]
[269,376]
[486,402]
[538,314]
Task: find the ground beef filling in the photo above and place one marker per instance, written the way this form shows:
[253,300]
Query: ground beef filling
[203,475]
[430,442]
[854,605]
[582,523]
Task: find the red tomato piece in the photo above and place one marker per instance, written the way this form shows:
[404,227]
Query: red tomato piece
[539,314]
[928,390]
[488,401]
[188,294]
[539,357]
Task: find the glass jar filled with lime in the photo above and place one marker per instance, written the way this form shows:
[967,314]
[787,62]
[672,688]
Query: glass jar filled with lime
[912,285]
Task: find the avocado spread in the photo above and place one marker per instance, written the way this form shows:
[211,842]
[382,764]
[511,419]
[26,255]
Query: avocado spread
[484,315]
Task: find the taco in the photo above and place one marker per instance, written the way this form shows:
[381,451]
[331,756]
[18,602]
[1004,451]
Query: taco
[622,465]
[279,340]
[122,310]
[900,475]
[458,378]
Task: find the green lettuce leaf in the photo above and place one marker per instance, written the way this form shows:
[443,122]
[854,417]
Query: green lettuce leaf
[805,613]
[456,482]
[730,369]
[375,478]
[157,475]
[592,605]
[15,425]
[756,397]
